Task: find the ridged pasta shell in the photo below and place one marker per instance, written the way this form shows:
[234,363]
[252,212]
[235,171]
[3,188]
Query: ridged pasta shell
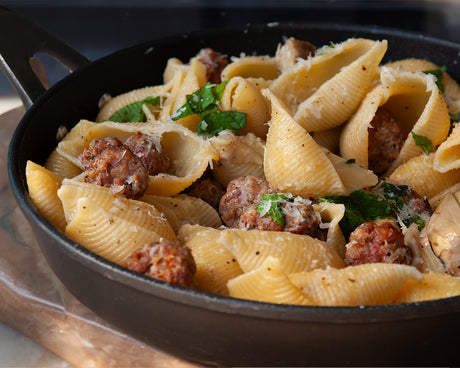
[414,100]
[367,284]
[120,101]
[432,286]
[43,186]
[111,237]
[293,161]
[183,209]
[331,214]
[447,156]
[241,95]
[419,173]
[323,91]
[239,155]
[251,67]
[189,154]
[135,212]
[61,166]
[215,265]
[451,87]
[295,252]
[269,283]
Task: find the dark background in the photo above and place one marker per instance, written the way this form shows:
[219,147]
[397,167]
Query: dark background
[99,27]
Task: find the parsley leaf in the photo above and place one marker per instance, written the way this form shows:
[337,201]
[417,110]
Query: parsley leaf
[218,121]
[360,207]
[454,119]
[439,76]
[423,142]
[202,102]
[133,112]
[271,205]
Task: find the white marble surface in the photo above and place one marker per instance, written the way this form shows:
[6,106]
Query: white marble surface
[18,351]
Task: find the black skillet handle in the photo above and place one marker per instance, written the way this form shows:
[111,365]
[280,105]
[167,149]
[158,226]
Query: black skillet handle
[20,39]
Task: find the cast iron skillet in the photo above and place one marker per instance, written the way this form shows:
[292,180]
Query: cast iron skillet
[193,325]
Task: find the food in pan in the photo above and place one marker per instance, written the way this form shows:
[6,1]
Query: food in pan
[317,176]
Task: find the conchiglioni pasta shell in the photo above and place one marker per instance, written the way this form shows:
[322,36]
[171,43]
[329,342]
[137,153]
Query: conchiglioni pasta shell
[61,166]
[295,252]
[414,100]
[189,154]
[269,283]
[111,237]
[331,214]
[183,209]
[451,87]
[43,186]
[215,265]
[447,156]
[251,67]
[323,91]
[293,161]
[432,286]
[419,173]
[238,156]
[367,284]
[136,212]
[172,67]
[241,95]
[120,101]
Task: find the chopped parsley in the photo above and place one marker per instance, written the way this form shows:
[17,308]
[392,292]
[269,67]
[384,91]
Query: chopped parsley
[271,205]
[205,103]
[438,73]
[350,161]
[423,142]
[387,200]
[134,111]
[454,119]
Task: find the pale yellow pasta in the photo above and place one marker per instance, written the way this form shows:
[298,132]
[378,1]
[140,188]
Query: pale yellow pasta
[241,95]
[329,139]
[323,91]
[432,286]
[183,209]
[194,79]
[436,199]
[116,103]
[293,161]
[269,283]
[238,156]
[173,65]
[451,87]
[111,237]
[43,185]
[367,284]
[416,103]
[259,83]
[61,166]
[295,252]
[419,173]
[215,264]
[189,154]
[331,214]
[171,98]
[138,213]
[447,156]
[251,67]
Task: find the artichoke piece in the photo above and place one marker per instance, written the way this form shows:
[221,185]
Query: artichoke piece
[443,232]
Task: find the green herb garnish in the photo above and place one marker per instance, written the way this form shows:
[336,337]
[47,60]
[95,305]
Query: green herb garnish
[133,112]
[271,205]
[351,161]
[454,119]
[212,124]
[438,73]
[423,142]
[205,103]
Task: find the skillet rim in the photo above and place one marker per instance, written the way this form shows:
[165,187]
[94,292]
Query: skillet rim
[204,300]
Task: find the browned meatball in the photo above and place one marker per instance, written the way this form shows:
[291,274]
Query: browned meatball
[241,194]
[386,139]
[208,190]
[148,149]
[288,54]
[111,164]
[418,204]
[214,62]
[300,218]
[377,243]
[167,260]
